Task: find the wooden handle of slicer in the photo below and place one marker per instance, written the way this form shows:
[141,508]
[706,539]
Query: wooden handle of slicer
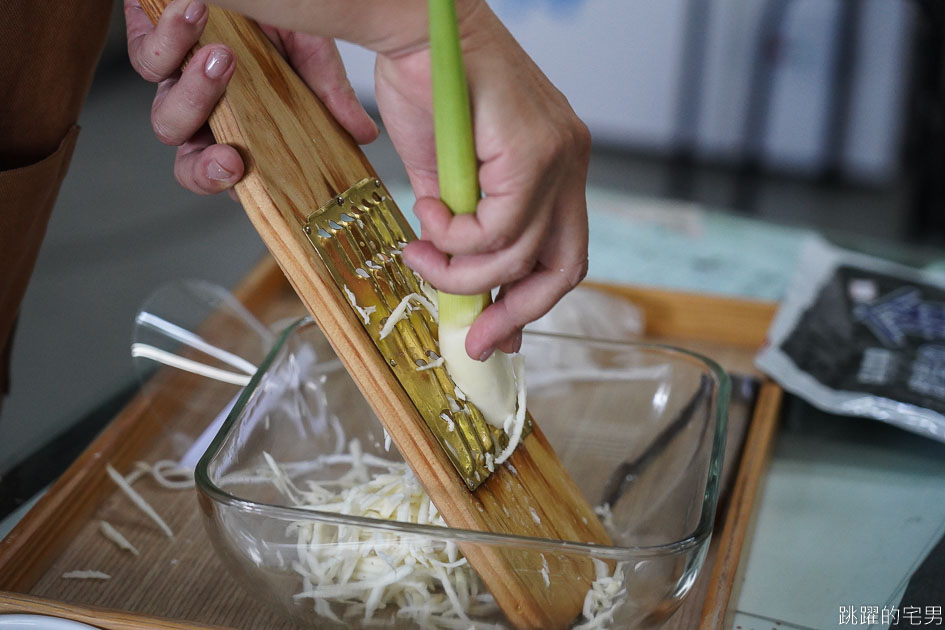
[297,158]
[296,154]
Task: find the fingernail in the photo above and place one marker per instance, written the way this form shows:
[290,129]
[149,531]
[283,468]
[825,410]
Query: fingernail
[218,62]
[216,172]
[485,355]
[517,343]
[194,11]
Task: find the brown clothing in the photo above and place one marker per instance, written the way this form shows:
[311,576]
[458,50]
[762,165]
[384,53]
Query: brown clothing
[48,52]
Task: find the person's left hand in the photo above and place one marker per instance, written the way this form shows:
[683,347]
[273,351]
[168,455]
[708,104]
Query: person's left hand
[185,99]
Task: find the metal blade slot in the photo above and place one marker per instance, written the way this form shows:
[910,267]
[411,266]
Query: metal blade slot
[358,236]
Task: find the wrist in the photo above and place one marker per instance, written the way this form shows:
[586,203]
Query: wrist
[388,27]
[472,16]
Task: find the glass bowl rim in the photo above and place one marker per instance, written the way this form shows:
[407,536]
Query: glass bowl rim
[702,531]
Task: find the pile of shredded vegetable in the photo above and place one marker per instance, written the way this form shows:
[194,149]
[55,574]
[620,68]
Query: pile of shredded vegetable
[383,575]
[607,593]
[377,573]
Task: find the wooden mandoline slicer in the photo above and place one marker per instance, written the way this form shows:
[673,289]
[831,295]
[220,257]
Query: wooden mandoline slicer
[336,233]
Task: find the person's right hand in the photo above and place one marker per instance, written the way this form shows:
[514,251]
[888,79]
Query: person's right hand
[529,234]
[185,98]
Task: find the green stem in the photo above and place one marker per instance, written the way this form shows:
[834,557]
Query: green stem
[455,150]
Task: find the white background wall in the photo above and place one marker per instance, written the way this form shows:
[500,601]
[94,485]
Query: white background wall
[619,63]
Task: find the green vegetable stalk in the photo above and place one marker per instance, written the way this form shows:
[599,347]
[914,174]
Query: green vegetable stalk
[490,384]
[455,150]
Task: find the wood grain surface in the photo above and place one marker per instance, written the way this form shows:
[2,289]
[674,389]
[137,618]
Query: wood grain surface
[742,508]
[720,320]
[106,618]
[182,578]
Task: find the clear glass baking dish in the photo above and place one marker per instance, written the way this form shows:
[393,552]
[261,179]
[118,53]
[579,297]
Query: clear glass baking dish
[641,429]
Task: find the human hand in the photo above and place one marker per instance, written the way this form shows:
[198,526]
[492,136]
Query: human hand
[185,98]
[529,233]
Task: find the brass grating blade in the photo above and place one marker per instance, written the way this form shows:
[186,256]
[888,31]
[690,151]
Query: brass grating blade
[358,236]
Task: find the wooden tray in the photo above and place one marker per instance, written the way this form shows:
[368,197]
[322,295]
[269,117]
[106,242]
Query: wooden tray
[181,578]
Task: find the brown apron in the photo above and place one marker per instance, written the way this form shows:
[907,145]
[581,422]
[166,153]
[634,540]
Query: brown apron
[48,52]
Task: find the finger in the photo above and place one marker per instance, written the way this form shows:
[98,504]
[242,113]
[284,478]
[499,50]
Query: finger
[156,52]
[498,222]
[424,182]
[319,63]
[465,275]
[182,106]
[206,168]
[405,105]
[562,264]
[275,36]
[524,302]
[511,344]
[475,273]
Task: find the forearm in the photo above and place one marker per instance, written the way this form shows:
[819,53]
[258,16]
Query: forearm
[385,26]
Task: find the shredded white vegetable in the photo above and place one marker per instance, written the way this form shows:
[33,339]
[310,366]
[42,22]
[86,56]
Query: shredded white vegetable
[514,424]
[400,312]
[606,516]
[377,576]
[431,294]
[147,351]
[137,499]
[194,341]
[607,593]
[168,474]
[450,425]
[432,364]
[544,570]
[364,312]
[116,537]
[86,575]
[141,469]
[378,573]
[534,515]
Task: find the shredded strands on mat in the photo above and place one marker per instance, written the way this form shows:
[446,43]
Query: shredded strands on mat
[141,469]
[116,537]
[137,499]
[86,575]
[168,474]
